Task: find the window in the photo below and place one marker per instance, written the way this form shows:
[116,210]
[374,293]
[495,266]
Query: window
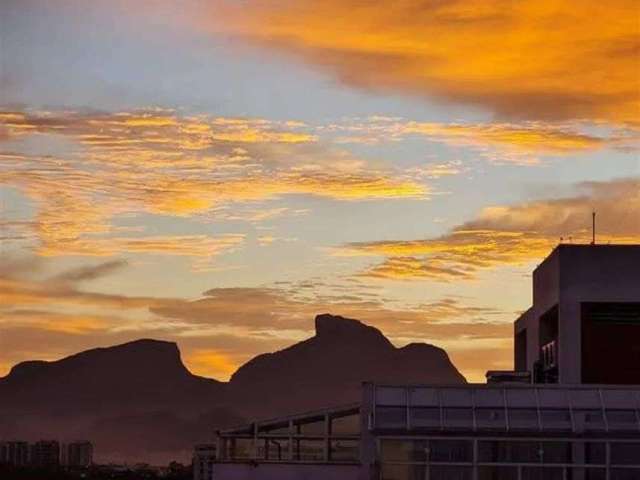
[347,425]
[344,450]
[625,454]
[404,450]
[425,417]
[450,450]
[308,450]
[391,417]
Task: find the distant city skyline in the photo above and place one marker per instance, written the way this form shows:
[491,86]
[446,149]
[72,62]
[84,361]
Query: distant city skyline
[218,173]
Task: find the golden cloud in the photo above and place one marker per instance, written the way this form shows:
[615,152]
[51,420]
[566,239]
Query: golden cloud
[535,60]
[510,235]
[157,162]
[506,142]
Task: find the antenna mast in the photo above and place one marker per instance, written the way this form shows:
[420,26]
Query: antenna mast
[593,228]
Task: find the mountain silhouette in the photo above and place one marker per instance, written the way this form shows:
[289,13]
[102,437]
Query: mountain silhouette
[328,369]
[138,402]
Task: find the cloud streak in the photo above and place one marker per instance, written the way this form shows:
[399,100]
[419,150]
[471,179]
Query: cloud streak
[510,235]
[156,162]
[533,60]
[224,326]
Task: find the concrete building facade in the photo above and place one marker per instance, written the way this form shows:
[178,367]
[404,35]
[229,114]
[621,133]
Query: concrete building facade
[14,453]
[584,324]
[45,453]
[77,454]
[203,457]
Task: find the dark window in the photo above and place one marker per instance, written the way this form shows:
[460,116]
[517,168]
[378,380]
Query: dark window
[625,454]
[450,451]
[610,346]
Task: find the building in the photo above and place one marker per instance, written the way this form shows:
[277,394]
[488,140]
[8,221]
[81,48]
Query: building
[45,453]
[203,458]
[570,411]
[584,324]
[14,453]
[78,454]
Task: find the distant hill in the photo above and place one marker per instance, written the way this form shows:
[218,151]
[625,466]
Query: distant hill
[138,402]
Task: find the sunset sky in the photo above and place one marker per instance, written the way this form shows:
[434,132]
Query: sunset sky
[217,173]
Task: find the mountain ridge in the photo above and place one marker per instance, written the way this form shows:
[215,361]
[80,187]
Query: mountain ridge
[140,395]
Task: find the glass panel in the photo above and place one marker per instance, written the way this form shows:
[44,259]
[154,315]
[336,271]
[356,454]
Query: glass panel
[580,473]
[595,453]
[523,419]
[618,398]
[556,419]
[275,449]
[625,474]
[450,450]
[490,397]
[625,453]
[552,398]
[589,420]
[500,451]
[391,417]
[424,397]
[348,425]
[391,396]
[622,419]
[497,473]
[521,397]
[458,418]
[583,398]
[308,450]
[556,452]
[587,473]
[425,417]
[403,472]
[456,397]
[344,450]
[403,450]
[537,473]
[240,448]
[450,473]
[311,427]
[491,418]
[275,429]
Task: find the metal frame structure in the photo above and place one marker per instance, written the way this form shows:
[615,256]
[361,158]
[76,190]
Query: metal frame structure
[573,417]
[472,467]
[268,439]
[512,408]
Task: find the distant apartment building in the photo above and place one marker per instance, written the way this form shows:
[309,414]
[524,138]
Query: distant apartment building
[14,453]
[203,458]
[77,454]
[45,453]
[570,411]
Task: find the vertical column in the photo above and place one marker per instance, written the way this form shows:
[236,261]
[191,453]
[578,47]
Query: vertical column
[255,441]
[368,456]
[291,440]
[475,459]
[327,434]
[578,457]
[608,460]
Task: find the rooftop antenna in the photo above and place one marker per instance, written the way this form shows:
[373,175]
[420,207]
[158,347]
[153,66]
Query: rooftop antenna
[593,228]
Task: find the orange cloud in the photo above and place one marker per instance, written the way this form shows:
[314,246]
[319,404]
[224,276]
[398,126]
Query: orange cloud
[506,142]
[536,60]
[157,162]
[510,235]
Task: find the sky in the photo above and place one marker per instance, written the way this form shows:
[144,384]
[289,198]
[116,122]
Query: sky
[216,173]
